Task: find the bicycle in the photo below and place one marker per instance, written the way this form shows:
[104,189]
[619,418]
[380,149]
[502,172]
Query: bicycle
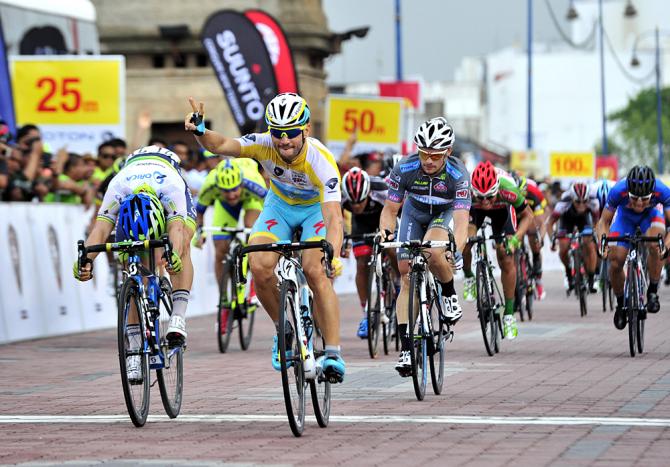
[299,350]
[489,297]
[429,330]
[525,282]
[577,267]
[140,298]
[380,305]
[635,285]
[605,285]
[234,309]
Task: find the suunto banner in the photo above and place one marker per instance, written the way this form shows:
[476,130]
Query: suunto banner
[242,65]
[278,48]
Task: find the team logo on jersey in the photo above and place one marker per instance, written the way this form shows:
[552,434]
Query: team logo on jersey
[392,184]
[271,223]
[160,178]
[318,226]
[440,186]
[299,178]
[278,171]
[409,166]
[508,195]
[332,183]
[453,171]
[462,194]
[249,137]
[394,197]
[463,184]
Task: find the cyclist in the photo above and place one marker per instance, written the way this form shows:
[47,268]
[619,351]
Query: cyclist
[232,187]
[577,208]
[600,190]
[304,192]
[641,200]
[364,196]
[496,196]
[436,186]
[147,197]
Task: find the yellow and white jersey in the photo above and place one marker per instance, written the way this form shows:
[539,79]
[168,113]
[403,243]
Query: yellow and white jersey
[312,178]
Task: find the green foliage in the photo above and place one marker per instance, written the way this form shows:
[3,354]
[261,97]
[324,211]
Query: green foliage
[637,128]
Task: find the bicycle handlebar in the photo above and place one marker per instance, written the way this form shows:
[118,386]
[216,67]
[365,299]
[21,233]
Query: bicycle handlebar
[283,249]
[128,246]
[635,238]
[420,244]
[231,230]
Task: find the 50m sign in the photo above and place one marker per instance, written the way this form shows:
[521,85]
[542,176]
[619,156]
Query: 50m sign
[375,120]
[65,92]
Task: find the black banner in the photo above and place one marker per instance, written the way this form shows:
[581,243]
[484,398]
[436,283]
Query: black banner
[241,63]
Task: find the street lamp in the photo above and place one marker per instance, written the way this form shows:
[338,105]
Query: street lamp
[629,12]
[657,65]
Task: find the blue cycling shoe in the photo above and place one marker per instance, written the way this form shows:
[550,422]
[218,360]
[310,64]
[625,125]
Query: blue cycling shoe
[363,328]
[275,350]
[333,367]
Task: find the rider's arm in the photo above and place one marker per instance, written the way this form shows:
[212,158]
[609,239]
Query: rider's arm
[525,222]
[332,218]
[218,144]
[177,235]
[604,223]
[461,221]
[388,216]
[99,234]
[549,225]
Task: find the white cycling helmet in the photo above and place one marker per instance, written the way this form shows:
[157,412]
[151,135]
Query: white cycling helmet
[435,134]
[287,110]
[157,150]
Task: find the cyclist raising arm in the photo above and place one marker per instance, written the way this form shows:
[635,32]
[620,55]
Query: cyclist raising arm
[304,193]
[437,188]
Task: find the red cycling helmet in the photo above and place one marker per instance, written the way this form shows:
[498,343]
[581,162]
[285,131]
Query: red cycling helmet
[356,185]
[579,191]
[485,180]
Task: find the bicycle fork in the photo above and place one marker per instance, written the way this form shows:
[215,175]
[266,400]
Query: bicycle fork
[305,325]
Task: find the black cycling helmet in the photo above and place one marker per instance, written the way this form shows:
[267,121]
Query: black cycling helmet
[641,180]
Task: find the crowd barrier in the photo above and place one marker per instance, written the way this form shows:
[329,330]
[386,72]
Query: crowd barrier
[40,298]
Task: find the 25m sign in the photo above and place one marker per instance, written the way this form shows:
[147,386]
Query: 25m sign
[66,91]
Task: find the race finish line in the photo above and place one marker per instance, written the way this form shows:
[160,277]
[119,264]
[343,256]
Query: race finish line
[440,420]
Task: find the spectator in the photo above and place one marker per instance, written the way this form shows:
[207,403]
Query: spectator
[119,146]
[181,149]
[106,156]
[22,167]
[71,186]
[154,141]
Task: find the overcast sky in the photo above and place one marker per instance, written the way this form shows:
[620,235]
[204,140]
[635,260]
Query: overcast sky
[436,34]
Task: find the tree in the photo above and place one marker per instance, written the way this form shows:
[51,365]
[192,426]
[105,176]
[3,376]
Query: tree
[637,128]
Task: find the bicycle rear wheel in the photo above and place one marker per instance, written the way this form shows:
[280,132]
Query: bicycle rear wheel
[418,349]
[520,294]
[136,393]
[438,335]
[388,323]
[484,310]
[225,313]
[292,371]
[320,388]
[373,309]
[171,376]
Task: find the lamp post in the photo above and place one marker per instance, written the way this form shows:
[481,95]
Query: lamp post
[657,65]
[398,43]
[629,12]
[529,128]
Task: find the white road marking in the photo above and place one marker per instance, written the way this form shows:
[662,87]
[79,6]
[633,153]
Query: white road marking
[444,420]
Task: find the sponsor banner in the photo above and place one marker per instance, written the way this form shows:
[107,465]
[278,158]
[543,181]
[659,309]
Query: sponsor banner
[410,90]
[77,101]
[377,121]
[278,49]
[23,318]
[572,165]
[607,167]
[242,65]
[6,100]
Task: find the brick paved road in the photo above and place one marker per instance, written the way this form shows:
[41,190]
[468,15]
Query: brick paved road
[616,410]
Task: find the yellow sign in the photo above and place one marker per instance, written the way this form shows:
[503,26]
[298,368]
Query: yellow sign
[67,91]
[375,120]
[572,164]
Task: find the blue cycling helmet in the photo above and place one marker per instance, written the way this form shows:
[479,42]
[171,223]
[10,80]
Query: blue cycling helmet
[603,193]
[141,217]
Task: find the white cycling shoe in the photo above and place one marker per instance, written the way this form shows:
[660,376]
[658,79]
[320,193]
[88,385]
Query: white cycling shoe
[134,369]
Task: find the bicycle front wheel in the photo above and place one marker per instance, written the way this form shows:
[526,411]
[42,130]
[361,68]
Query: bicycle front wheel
[632,307]
[225,312]
[245,319]
[320,388]
[136,391]
[389,320]
[484,310]
[373,309]
[418,349]
[292,371]
[171,376]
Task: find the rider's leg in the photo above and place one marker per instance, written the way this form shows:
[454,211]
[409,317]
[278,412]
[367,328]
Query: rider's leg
[654,266]
[442,268]
[563,249]
[617,258]
[221,249]
[262,264]
[507,277]
[469,285]
[402,303]
[590,260]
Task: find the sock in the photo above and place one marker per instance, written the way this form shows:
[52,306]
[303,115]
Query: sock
[180,302]
[405,344]
[653,287]
[448,288]
[133,335]
[619,301]
[332,350]
[276,326]
[509,306]
[591,279]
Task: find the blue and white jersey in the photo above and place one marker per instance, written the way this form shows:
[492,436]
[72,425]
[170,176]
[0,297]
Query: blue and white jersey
[618,197]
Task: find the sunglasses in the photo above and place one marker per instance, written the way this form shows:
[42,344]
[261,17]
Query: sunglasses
[106,156]
[433,156]
[290,133]
[487,198]
[579,201]
[640,198]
